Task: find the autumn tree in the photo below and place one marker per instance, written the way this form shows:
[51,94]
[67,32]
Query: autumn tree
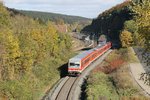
[133,28]
[142,11]
[126,38]
[60,21]
[3,15]
[142,19]
[10,55]
[30,55]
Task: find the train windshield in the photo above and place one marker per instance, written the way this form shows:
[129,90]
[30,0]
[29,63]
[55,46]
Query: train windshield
[74,65]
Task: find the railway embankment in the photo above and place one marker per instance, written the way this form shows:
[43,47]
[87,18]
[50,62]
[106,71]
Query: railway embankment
[112,79]
[138,69]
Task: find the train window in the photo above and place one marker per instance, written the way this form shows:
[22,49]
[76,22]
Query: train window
[74,64]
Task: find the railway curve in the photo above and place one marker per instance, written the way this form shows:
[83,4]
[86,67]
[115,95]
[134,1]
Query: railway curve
[69,88]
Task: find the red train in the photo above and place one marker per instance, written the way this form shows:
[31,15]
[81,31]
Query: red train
[78,63]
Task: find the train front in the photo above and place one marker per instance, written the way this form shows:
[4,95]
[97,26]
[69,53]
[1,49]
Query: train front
[74,67]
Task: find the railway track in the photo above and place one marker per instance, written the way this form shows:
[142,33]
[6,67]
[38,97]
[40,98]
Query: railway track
[63,90]
[66,89]
[69,88]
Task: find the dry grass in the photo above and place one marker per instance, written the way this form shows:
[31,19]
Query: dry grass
[132,56]
[116,68]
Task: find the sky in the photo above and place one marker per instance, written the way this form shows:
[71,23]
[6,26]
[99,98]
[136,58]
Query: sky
[84,8]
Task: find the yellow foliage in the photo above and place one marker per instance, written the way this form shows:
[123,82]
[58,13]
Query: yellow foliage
[3,11]
[126,38]
[142,19]
[3,15]
[37,35]
[12,53]
[27,49]
[143,11]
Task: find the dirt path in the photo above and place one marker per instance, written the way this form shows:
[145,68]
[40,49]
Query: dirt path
[136,71]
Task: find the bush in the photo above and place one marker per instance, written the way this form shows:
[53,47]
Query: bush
[100,86]
[117,85]
[16,90]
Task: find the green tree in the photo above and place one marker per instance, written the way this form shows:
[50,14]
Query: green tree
[131,26]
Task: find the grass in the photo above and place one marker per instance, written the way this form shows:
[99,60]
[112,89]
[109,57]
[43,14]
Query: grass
[132,56]
[118,83]
[100,86]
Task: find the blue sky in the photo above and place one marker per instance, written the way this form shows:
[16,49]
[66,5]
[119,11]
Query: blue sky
[85,8]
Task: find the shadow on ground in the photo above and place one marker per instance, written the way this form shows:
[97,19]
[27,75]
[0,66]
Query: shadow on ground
[85,49]
[63,70]
[83,95]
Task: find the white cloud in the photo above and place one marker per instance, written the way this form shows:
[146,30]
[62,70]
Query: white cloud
[62,2]
[87,8]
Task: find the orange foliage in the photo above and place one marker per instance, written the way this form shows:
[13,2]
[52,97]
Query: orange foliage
[113,65]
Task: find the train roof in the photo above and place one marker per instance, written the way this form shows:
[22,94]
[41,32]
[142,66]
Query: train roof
[84,53]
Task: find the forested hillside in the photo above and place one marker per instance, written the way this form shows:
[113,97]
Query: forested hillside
[141,27]
[130,18]
[30,56]
[127,24]
[45,16]
[111,21]
[63,23]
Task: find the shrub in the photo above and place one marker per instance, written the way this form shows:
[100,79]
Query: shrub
[100,86]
